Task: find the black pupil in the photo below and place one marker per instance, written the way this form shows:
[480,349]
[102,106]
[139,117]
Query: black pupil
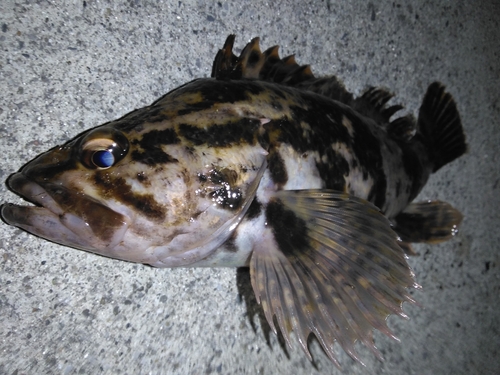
[103,159]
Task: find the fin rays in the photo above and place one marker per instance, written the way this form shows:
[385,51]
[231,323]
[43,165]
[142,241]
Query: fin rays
[253,64]
[346,281]
[439,122]
[374,279]
[430,222]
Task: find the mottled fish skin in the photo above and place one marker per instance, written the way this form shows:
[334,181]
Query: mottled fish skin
[316,143]
[265,166]
[228,127]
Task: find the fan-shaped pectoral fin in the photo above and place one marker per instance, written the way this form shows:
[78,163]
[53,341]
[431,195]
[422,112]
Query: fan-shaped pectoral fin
[329,263]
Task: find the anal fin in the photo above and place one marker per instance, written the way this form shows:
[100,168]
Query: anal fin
[430,222]
[329,263]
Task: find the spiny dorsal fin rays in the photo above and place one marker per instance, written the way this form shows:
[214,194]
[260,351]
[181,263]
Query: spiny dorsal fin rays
[389,111]
[251,60]
[225,60]
[253,64]
[403,128]
[377,96]
[268,66]
[347,279]
[373,104]
[272,57]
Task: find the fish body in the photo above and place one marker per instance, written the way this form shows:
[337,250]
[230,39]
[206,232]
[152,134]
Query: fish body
[262,165]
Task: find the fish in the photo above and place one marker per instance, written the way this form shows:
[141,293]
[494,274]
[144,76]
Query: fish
[262,165]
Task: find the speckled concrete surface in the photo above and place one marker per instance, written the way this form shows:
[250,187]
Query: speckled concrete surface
[68,66]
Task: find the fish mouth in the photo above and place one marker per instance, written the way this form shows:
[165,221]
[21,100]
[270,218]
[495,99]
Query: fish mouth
[64,216]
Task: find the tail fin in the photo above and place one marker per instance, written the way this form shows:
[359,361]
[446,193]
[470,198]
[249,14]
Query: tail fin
[440,125]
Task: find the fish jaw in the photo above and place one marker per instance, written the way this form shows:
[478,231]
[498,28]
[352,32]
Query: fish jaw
[64,216]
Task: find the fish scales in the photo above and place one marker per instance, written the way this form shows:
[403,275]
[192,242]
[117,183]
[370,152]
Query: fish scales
[348,153]
[261,165]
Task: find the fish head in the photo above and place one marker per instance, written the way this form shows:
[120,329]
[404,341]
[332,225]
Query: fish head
[140,192]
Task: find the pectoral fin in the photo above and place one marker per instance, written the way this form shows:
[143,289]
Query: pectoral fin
[329,264]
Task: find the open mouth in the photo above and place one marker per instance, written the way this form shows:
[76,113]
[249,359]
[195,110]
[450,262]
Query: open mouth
[64,216]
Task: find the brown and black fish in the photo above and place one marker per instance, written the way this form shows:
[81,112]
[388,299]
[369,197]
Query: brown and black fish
[262,165]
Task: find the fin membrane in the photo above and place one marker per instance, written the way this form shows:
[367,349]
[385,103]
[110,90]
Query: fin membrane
[373,104]
[331,87]
[440,125]
[430,222]
[329,264]
[252,63]
[268,66]
[403,128]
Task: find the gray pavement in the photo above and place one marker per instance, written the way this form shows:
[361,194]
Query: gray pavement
[69,66]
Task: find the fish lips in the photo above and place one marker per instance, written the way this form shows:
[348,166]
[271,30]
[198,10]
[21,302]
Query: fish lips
[64,216]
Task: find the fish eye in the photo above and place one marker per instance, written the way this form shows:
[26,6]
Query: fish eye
[103,158]
[103,148]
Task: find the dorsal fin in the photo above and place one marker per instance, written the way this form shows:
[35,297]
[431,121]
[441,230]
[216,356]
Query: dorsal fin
[373,104]
[403,128]
[225,61]
[253,64]
[268,66]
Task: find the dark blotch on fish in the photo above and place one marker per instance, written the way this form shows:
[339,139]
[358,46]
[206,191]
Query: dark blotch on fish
[118,189]
[228,91]
[289,230]
[277,168]
[334,170]
[195,107]
[227,197]
[221,135]
[141,177]
[253,59]
[158,137]
[151,144]
[254,209]
[153,157]
[230,245]
[414,168]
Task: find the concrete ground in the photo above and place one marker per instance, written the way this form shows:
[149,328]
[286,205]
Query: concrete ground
[69,66]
